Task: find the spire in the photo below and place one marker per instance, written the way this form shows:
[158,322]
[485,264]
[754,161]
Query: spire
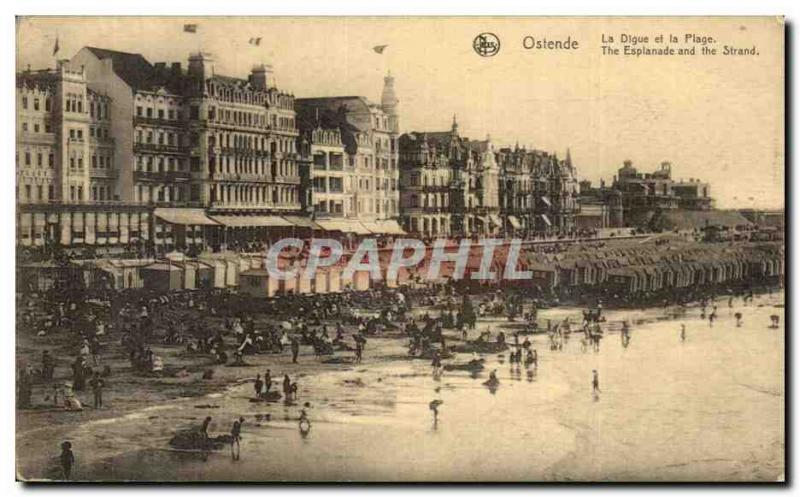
[568,160]
[389,101]
[454,127]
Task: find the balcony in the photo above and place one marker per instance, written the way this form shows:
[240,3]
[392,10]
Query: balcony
[163,176]
[156,148]
[155,121]
[103,173]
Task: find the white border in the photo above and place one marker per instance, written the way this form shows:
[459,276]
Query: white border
[316,7]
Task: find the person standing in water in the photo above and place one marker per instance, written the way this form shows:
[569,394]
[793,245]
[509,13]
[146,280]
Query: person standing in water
[295,350]
[236,437]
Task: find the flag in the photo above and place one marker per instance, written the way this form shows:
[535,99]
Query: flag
[255,41]
[55,48]
[190,28]
[379,48]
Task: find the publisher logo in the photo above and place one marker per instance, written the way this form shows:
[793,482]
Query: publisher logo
[486,44]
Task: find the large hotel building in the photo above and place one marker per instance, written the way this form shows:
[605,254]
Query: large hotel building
[120,155]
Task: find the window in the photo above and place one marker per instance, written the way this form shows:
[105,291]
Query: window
[38,159]
[149,112]
[161,113]
[27,192]
[47,128]
[25,127]
[47,104]
[35,104]
[51,160]
[94,161]
[35,128]
[138,111]
[51,193]
[24,102]
[27,158]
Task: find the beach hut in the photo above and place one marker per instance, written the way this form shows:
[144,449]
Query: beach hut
[162,277]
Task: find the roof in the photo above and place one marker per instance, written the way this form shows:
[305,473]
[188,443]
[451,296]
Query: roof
[131,68]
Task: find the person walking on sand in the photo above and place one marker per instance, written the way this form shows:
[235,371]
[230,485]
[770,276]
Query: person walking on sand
[236,436]
[295,350]
[97,385]
[683,333]
[67,459]
[258,385]
[595,382]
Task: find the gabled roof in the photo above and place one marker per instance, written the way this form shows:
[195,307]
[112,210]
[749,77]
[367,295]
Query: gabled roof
[131,68]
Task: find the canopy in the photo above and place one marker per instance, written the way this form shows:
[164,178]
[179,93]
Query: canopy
[546,219]
[302,222]
[390,227]
[331,225]
[183,216]
[514,222]
[372,226]
[252,221]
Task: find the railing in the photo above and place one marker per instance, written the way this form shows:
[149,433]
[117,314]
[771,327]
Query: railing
[154,147]
[161,176]
[157,121]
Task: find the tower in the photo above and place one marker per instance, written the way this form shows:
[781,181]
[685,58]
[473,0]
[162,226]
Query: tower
[389,103]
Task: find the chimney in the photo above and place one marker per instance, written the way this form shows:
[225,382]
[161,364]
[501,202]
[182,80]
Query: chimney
[200,66]
[262,77]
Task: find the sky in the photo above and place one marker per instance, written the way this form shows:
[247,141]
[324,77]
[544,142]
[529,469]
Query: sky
[718,118]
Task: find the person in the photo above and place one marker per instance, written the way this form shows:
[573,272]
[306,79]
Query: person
[683,333]
[267,381]
[303,423]
[258,385]
[287,386]
[48,366]
[204,431]
[67,459]
[295,350]
[236,436]
[595,382]
[97,385]
[359,351]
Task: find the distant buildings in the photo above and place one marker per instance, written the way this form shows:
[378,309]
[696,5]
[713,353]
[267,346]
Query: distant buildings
[634,198]
[451,185]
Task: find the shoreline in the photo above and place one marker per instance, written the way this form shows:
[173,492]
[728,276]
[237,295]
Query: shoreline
[381,351]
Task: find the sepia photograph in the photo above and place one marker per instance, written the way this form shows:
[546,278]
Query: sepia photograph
[399,249]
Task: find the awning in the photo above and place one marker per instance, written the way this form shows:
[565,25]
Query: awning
[330,225]
[302,222]
[183,216]
[514,222]
[496,220]
[547,201]
[546,219]
[252,221]
[372,226]
[390,227]
[344,225]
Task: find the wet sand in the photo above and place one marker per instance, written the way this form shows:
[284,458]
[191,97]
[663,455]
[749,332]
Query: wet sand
[710,408]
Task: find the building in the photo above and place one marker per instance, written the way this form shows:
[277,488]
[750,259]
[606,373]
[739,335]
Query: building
[451,185]
[364,135]
[205,149]
[643,194]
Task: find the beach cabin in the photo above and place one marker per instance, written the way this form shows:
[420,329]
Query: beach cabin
[162,277]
